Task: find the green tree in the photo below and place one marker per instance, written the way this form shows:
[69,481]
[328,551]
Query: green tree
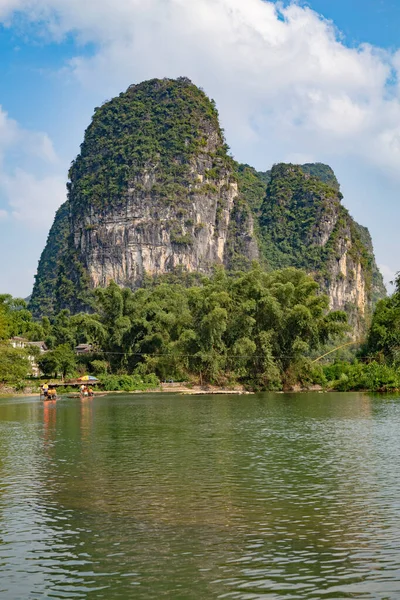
[61,360]
[383,341]
[99,367]
[258,328]
[4,323]
[66,360]
[48,364]
[63,330]
[14,364]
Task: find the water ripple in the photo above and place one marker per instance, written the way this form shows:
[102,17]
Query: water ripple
[143,497]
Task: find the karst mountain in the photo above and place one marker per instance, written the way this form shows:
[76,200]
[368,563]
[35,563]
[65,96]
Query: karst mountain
[154,191]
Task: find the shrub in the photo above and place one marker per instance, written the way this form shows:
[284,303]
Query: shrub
[129,383]
[373,376]
[99,367]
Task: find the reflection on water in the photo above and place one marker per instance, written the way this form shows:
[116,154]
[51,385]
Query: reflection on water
[272,496]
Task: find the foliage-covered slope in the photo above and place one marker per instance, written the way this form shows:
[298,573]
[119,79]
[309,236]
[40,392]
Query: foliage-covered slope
[299,213]
[322,172]
[303,224]
[156,128]
[42,301]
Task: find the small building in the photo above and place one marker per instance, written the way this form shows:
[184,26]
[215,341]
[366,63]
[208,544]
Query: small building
[20,343]
[41,345]
[84,349]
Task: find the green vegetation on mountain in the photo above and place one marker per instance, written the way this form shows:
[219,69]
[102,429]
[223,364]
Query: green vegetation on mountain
[155,127]
[61,279]
[159,145]
[252,186]
[42,301]
[72,288]
[322,172]
[304,224]
[291,220]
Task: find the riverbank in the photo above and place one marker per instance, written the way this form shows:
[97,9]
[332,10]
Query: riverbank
[198,390]
[164,388]
[189,389]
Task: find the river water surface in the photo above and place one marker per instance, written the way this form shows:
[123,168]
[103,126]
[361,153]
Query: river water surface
[162,496]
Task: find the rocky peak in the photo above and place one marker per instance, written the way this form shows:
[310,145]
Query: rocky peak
[322,172]
[304,224]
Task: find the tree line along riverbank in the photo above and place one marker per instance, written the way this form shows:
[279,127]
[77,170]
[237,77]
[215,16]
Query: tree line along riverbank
[256,329]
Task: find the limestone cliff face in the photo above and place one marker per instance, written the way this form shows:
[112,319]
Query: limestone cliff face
[145,234]
[346,277]
[347,283]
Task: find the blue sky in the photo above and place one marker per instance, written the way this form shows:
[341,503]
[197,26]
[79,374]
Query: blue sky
[293,82]
[363,21]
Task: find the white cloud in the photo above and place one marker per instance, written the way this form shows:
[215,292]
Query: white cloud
[389,275]
[25,142]
[33,199]
[30,198]
[284,80]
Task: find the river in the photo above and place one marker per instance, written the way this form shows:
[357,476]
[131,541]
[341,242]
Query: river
[162,496]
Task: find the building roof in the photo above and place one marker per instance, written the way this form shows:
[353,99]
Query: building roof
[17,338]
[38,344]
[83,348]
